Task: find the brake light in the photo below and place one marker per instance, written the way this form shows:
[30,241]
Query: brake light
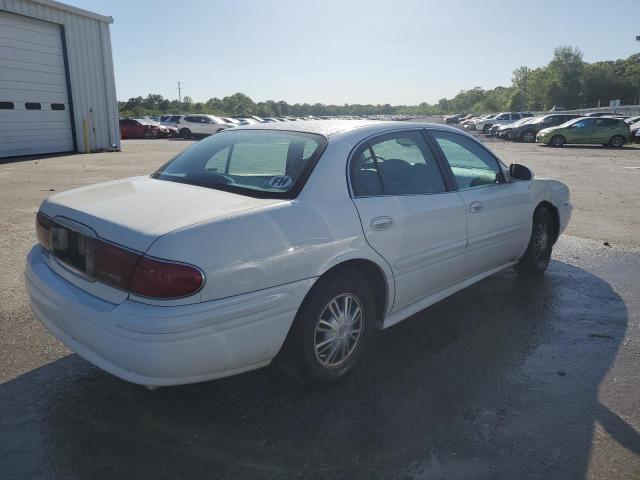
[43,223]
[161,279]
[113,265]
[127,270]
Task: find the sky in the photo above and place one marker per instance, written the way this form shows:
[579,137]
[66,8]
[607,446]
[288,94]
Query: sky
[350,51]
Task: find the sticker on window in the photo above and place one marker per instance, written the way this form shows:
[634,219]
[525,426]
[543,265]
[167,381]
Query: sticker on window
[280,182]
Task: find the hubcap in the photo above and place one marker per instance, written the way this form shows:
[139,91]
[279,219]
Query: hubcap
[541,243]
[528,137]
[338,330]
[617,141]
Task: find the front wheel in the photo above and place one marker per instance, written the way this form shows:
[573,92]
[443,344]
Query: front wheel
[616,141]
[485,129]
[538,254]
[557,141]
[333,328]
[147,133]
[185,133]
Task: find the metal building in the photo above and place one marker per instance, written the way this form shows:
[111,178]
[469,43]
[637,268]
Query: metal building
[57,87]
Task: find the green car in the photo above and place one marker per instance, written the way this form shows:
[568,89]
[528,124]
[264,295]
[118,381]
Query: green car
[603,130]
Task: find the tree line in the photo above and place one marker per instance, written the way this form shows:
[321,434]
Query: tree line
[567,81]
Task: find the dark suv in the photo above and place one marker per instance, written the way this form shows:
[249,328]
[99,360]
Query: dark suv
[528,131]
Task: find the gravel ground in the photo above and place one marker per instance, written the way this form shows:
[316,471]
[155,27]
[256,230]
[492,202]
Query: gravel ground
[540,383]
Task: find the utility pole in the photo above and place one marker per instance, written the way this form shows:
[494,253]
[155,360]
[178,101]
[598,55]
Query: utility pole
[179,93]
[524,90]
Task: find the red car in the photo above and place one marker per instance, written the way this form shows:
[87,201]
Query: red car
[143,128]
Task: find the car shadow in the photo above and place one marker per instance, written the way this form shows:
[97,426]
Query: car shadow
[596,147]
[500,380]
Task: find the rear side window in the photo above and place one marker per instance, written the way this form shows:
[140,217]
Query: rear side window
[396,164]
[471,164]
[607,122]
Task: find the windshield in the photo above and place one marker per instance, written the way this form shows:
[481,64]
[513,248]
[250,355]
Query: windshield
[263,163]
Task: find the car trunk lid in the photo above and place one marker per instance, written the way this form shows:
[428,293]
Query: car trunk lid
[135,212]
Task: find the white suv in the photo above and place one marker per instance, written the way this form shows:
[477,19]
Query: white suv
[190,125]
[500,119]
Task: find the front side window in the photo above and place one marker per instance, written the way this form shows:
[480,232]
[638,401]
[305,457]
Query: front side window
[585,123]
[396,164]
[263,163]
[471,164]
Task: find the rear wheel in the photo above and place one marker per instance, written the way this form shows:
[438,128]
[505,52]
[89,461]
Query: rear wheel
[185,133]
[485,129]
[333,328]
[528,137]
[557,141]
[616,141]
[147,133]
[536,258]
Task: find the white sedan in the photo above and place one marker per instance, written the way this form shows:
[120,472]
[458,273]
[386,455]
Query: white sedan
[289,241]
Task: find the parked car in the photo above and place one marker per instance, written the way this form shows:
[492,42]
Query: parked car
[170,120]
[493,130]
[471,122]
[631,120]
[200,124]
[142,128]
[503,131]
[452,118]
[253,246]
[526,132]
[248,120]
[501,118]
[603,130]
[634,130]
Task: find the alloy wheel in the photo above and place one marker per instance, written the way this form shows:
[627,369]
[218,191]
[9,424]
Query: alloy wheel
[541,243]
[338,330]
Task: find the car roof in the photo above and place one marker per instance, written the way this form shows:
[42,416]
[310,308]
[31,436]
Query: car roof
[328,128]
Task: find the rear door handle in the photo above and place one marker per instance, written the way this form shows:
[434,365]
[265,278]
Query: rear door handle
[381,223]
[475,207]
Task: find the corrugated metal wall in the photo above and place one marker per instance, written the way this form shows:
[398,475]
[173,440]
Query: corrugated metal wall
[91,74]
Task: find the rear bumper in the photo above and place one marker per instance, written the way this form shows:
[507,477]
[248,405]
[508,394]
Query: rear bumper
[151,345]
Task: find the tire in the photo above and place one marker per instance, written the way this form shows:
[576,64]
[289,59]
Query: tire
[309,355]
[485,129]
[617,141]
[557,141]
[147,133]
[536,258]
[185,133]
[528,136]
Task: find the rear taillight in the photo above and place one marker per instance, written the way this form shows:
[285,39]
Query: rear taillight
[160,279]
[128,270]
[43,223]
[113,265]
[142,275]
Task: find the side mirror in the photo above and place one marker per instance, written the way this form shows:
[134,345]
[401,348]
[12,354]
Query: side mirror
[519,172]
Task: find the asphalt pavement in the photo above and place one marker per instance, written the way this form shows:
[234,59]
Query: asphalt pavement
[510,378]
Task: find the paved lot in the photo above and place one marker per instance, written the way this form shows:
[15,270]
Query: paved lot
[507,379]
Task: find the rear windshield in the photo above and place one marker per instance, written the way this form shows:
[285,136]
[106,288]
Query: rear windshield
[261,163]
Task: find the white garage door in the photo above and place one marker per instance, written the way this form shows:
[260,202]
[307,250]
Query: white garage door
[34,105]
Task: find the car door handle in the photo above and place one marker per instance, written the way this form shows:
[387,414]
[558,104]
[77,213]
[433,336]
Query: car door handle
[381,223]
[475,207]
